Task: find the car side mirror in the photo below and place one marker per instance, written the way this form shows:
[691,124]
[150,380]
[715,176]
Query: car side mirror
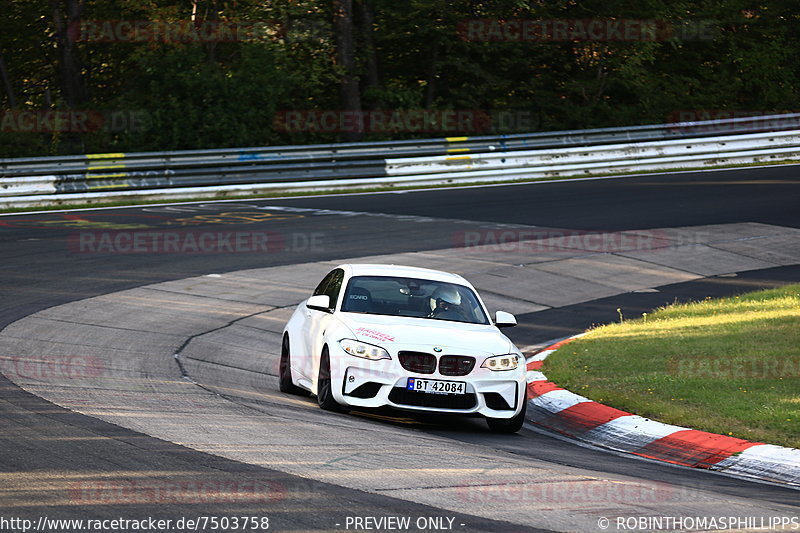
[320,302]
[504,320]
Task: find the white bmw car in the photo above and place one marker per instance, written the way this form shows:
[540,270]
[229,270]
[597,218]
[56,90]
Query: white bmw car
[408,338]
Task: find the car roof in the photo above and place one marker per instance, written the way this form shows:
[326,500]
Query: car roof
[362,269]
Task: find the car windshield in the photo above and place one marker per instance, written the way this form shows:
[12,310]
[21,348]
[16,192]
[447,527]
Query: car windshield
[411,297]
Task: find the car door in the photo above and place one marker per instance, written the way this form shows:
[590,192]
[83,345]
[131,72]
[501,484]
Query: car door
[317,321]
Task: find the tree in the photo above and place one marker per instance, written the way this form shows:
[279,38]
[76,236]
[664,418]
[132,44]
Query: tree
[67,14]
[349,90]
[10,96]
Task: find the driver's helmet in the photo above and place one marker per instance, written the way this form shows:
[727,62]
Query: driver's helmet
[445,294]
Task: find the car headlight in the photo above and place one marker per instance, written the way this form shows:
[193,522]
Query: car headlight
[509,361]
[362,349]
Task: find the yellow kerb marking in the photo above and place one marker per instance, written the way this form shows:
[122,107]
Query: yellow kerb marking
[455,139]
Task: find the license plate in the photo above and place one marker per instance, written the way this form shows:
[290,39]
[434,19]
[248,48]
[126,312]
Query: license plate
[436,386]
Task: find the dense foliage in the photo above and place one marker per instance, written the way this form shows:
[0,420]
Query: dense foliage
[241,67]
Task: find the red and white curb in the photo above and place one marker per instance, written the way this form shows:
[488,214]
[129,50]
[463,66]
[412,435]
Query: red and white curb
[580,418]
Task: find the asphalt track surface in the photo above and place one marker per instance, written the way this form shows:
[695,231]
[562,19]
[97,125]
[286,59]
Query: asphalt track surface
[44,448]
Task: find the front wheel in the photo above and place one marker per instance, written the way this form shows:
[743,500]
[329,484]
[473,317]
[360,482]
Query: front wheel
[285,371]
[509,425]
[325,397]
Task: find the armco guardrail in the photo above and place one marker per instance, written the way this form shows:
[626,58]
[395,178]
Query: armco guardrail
[204,173]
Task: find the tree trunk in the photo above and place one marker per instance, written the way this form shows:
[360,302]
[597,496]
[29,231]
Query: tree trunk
[73,86]
[211,46]
[349,93]
[12,101]
[211,17]
[373,82]
[431,75]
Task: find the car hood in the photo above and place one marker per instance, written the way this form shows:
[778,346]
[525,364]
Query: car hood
[423,334]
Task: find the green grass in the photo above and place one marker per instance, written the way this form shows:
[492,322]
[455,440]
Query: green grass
[729,366]
[68,205]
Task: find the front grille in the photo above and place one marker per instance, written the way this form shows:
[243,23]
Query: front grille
[456,365]
[365,391]
[418,362]
[403,396]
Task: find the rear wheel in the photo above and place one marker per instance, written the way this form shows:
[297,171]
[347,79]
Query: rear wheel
[509,425]
[325,397]
[285,371]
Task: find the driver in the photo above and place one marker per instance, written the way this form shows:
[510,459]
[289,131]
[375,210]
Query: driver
[446,303]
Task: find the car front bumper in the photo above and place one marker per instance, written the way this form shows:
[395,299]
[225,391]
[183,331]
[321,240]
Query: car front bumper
[358,382]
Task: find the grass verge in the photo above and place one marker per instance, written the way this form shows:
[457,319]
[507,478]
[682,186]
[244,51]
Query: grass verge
[728,366]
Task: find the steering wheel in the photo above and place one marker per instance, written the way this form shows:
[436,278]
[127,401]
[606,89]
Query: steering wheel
[456,312]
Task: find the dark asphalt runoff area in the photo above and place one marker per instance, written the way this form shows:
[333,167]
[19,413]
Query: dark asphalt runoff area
[48,454]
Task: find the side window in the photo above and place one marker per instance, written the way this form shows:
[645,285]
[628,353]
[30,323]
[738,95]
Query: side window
[334,286]
[331,285]
[324,283]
